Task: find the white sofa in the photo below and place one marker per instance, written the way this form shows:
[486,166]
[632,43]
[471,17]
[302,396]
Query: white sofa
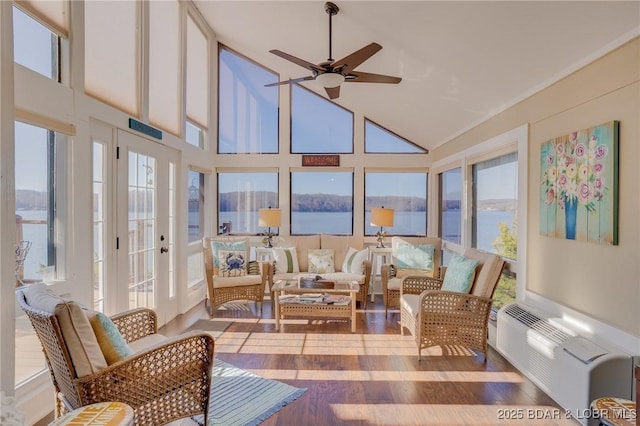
[340,245]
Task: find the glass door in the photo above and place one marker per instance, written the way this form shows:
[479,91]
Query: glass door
[146,226]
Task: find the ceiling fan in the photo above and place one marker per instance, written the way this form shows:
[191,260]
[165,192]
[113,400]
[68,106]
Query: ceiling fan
[331,74]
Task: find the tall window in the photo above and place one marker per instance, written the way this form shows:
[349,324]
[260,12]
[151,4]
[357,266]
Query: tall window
[35,46]
[450,222]
[406,193]
[319,125]
[99,225]
[322,202]
[377,139]
[40,187]
[40,164]
[494,224]
[240,196]
[196,205]
[248,111]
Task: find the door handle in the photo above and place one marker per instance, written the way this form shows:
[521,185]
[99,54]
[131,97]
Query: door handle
[164,250]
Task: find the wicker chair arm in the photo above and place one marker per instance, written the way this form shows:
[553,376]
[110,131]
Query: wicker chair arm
[179,368]
[446,306]
[418,284]
[136,323]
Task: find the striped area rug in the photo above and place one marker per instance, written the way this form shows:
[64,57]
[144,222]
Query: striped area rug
[241,398]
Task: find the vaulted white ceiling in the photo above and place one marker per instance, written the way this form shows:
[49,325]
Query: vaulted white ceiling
[460,62]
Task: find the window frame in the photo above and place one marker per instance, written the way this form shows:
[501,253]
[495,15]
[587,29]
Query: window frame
[392,133]
[512,140]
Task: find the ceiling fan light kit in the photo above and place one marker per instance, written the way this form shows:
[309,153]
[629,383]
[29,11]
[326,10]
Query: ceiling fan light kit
[331,74]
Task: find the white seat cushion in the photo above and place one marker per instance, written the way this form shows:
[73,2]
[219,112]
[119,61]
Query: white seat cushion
[219,282]
[410,303]
[146,342]
[394,283]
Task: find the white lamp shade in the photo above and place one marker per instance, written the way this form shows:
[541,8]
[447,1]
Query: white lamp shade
[269,218]
[330,79]
[382,217]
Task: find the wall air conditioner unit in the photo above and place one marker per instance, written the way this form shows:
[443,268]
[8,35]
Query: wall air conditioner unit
[569,368]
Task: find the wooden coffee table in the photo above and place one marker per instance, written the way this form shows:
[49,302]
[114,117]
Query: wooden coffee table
[292,306]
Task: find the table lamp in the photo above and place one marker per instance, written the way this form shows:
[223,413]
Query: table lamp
[381,217]
[269,218]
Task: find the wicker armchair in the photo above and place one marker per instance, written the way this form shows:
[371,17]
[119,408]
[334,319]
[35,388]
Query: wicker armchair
[221,289]
[445,318]
[391,275]
[165,382]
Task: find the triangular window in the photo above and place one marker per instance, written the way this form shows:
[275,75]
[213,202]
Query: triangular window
[378,140]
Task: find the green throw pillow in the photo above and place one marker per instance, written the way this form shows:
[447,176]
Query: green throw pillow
[460,274]
[321,261]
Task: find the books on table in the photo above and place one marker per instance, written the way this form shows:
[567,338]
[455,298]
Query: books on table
[315,298]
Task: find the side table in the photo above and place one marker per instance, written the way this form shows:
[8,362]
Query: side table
[614,411]
[102,413]
[384,253]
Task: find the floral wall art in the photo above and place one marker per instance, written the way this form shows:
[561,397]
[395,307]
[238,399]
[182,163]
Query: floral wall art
[579,188]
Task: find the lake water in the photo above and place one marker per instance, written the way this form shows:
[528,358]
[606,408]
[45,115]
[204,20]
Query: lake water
[406,223]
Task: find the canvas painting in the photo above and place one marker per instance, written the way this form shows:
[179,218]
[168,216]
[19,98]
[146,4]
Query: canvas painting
[579,185]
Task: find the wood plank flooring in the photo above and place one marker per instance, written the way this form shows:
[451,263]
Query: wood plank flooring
[372,377]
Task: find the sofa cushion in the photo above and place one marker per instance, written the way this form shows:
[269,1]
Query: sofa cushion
[80,339]
[320,261]
[437,255]
[112,344]
[222,282]
[340,245]
[460,274]
[488,272]
[146,342]
[285,260]
[395,283]
[410,303]
[302,243]
[232,263]
[354,261]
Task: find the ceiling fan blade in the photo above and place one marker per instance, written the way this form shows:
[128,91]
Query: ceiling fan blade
[367,77]
[293,80]
[333,92]
[297,61]
[356,58]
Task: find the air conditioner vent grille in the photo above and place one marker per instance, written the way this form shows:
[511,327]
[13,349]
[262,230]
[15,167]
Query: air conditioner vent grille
[536,323]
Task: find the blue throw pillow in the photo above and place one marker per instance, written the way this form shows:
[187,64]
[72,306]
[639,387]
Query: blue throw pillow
[460,274]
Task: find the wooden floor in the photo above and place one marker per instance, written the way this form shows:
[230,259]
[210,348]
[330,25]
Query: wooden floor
[372,377]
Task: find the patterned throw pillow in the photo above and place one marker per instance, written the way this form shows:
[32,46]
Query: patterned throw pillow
[354,261]
[217,245]
[321,261]
[460,274]
[232,263]
[285,260]
[413,256]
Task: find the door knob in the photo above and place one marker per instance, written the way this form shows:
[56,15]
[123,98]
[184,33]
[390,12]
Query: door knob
[164,250]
